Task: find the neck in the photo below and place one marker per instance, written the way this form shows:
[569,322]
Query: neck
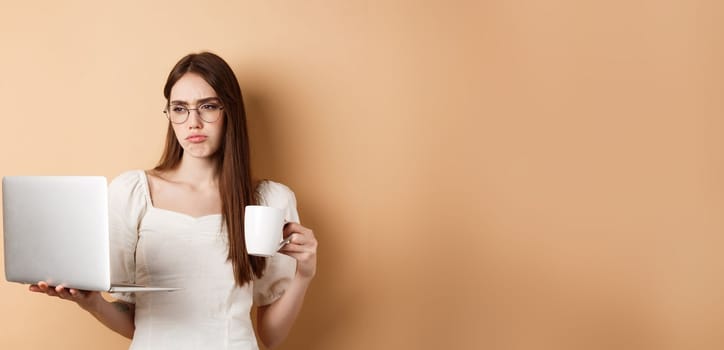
[200,171]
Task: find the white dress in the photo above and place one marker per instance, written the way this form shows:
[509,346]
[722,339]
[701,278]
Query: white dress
[157,247]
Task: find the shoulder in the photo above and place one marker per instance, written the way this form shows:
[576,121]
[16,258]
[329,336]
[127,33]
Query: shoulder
[128,177]
[128,182]
[128,198]
[274,194]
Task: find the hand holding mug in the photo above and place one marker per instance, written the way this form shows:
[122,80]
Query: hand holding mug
[302,247]
[266,232]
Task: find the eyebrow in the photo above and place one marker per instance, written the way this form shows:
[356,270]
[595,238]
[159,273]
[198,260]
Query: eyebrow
[199,102]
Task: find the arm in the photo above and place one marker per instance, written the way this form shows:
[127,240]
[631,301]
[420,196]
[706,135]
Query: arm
[117,315]
[274,321]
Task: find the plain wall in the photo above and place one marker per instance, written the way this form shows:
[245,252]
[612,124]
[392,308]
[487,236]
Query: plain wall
[480,174]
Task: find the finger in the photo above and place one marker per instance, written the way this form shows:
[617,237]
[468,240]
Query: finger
[298,248]
[301,257]
[299,238]
[35,288]
[284,242]
[43,286]
[296,238]
[293,227]
[294,254]
[62,292]
[77,293]
[292,248]
[65,294]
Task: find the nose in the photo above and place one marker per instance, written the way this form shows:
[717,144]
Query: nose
[195,121]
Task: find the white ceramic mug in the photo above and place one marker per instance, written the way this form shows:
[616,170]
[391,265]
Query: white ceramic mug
[263,230]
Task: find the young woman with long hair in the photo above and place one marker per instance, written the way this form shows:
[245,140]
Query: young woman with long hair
[180,224]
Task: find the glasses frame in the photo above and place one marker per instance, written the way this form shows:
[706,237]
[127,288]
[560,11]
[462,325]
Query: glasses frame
[167,112]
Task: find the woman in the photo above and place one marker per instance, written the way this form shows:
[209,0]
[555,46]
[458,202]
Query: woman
[180,225]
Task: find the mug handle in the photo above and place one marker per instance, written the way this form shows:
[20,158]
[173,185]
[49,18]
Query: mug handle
[285,242]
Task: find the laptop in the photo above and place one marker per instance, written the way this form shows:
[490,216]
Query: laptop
[55,229]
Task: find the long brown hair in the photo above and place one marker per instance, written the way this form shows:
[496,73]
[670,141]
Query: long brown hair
[232,157]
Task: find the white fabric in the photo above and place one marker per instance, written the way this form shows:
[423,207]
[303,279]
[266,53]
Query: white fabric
[157,247]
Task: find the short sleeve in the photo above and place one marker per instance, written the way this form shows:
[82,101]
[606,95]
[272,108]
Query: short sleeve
[127,205]
[280,268]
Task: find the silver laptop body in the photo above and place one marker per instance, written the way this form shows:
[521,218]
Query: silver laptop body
[55,229]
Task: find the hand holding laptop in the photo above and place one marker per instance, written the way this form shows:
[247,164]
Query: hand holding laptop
[85,299]
[117,315]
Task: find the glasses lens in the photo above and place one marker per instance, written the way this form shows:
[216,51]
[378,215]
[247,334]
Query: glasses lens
[177,114]
[210,112]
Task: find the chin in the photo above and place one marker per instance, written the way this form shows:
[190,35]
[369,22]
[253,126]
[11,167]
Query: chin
[199,153]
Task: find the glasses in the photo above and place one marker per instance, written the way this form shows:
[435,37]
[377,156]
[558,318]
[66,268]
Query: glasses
[209,112]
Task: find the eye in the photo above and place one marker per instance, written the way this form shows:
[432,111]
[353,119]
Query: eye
[209,107]
[178,109]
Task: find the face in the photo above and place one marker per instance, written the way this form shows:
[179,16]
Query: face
[197,137]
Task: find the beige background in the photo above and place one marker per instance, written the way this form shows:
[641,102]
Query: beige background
[481,175]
